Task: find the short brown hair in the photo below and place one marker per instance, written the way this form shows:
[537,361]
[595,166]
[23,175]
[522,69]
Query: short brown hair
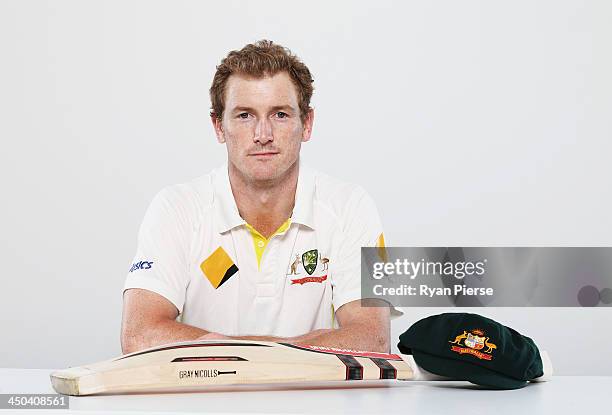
[263,58]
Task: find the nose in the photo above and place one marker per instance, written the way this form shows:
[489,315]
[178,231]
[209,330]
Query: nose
[263,131]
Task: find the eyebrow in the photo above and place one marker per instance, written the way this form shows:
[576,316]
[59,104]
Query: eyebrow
[285,107]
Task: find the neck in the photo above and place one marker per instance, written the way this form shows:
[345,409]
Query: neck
[265,205]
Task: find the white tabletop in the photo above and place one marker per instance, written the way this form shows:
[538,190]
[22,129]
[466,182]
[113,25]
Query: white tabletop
[564,394]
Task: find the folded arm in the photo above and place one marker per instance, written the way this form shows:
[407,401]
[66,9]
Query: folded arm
[362,327]
[149,320]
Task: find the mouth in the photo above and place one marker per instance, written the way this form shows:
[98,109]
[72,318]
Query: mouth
[263,154]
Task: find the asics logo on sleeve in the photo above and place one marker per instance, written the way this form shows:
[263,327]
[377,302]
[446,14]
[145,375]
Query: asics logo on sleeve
[141,265]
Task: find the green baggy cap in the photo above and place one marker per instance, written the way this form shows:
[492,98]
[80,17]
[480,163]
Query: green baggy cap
[471,347]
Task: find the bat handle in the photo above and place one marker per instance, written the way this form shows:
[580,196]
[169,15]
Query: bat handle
[547,368]
[418,373]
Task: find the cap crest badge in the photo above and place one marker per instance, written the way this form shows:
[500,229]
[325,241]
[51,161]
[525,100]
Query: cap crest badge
[472,342]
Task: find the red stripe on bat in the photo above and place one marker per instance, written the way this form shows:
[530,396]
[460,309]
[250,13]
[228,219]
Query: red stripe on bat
[349,352]
[354,370]
[387,371]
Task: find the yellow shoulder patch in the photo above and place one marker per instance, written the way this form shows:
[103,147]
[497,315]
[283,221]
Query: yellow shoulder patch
[382,251]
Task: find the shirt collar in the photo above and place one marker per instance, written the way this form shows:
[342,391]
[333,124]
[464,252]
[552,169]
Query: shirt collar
[304,197]
[226,211]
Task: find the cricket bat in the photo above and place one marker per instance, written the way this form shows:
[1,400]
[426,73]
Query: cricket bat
[196,365]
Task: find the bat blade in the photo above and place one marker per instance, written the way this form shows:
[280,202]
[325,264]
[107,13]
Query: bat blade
[201,364]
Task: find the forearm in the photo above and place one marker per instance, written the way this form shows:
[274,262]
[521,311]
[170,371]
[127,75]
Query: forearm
[296,339]
[142,336]
[349,337]
[353,337]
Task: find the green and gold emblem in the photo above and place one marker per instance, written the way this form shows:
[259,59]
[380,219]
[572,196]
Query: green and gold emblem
[309,260]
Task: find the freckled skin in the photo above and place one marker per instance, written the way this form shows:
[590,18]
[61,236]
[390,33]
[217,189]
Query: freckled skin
[262,116]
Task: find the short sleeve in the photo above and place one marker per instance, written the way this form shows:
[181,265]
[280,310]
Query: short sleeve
[361,228]
[161,263]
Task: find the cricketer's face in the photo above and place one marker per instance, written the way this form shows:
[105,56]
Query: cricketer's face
[261,126]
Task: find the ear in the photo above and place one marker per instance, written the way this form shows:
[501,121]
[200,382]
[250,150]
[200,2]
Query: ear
[218,126]
[307,128]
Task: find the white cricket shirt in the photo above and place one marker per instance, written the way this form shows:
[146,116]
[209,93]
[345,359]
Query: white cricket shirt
[195,250]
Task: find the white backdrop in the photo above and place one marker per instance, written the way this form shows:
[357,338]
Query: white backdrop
[472,123]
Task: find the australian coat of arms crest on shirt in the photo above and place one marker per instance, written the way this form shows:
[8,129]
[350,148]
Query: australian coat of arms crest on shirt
[310,262]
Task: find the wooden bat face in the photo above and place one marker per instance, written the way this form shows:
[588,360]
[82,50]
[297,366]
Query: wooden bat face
[198,364]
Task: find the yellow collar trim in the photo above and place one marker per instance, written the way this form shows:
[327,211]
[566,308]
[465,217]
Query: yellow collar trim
[260,242]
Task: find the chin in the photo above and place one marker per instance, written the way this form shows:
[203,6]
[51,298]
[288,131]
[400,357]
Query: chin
[262,171]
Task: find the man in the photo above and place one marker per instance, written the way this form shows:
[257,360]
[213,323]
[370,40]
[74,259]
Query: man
[264,247]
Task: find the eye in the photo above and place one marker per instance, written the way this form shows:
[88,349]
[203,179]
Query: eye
[281,114]
[243,115]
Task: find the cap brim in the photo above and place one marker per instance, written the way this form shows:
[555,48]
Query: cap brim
[459,370]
